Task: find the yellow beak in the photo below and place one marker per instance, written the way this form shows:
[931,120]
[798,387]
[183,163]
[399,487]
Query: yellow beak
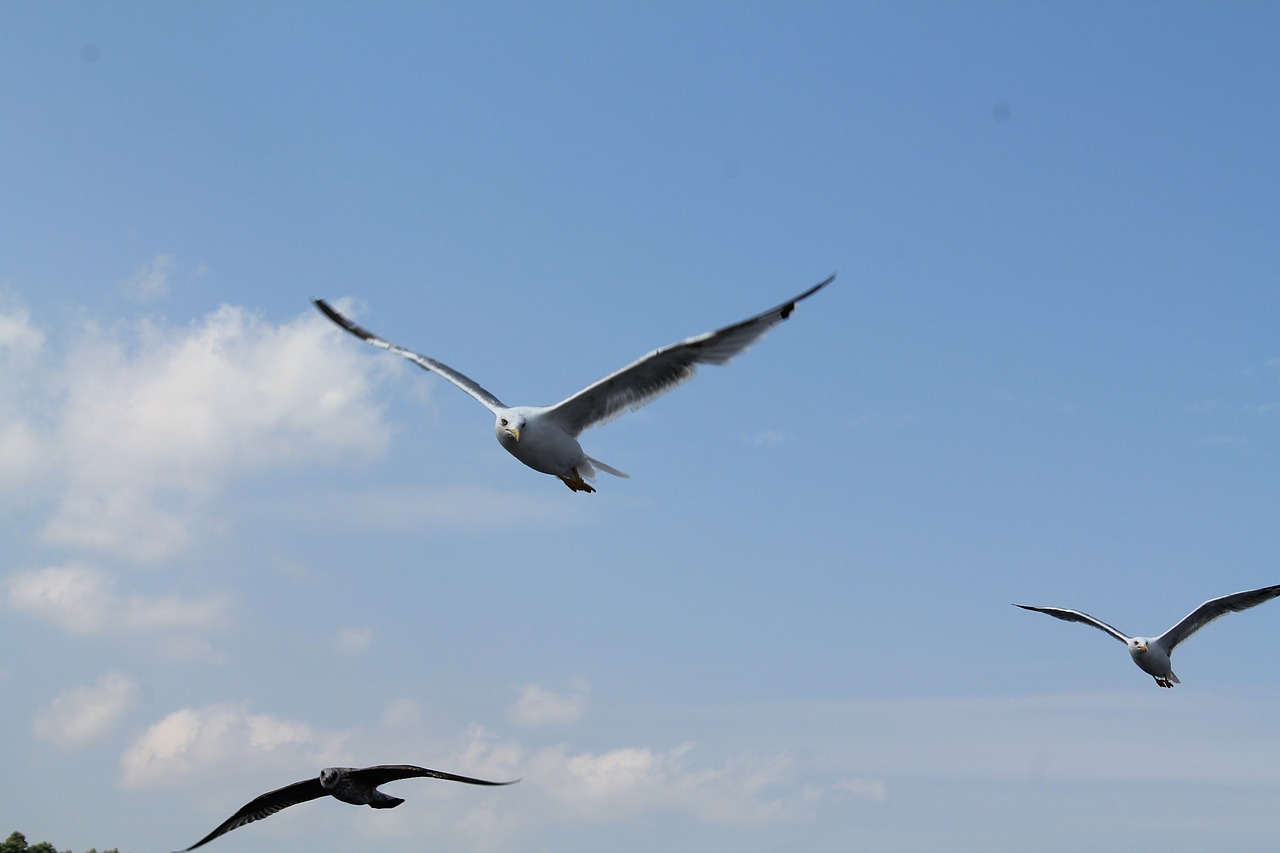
[515,431]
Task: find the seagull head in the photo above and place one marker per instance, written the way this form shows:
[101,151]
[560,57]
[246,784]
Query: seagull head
[329,777]
[508,425]
[1138,645]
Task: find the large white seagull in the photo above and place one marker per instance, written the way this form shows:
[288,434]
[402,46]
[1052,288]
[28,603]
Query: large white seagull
[546,437]
[1151,654]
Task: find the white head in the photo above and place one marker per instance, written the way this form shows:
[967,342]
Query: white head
[507,426]
[1138,646]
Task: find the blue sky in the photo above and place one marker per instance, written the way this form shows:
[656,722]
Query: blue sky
[241,546]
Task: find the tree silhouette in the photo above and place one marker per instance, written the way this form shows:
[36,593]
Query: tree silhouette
[17,843]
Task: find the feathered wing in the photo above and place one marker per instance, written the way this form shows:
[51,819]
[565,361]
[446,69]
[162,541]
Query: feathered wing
[1076,616]
[1212,609]
[265,806]
[464,382]
[663,369]
[383,773]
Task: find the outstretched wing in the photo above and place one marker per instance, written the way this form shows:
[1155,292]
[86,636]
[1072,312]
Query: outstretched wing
[383,773]
[265,806]
[1076,616]
[464,382]
[663,369]
[1212,609]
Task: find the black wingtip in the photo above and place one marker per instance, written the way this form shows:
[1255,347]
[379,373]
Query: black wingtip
[490,784]
[791,306]
[340,321]
[326,309]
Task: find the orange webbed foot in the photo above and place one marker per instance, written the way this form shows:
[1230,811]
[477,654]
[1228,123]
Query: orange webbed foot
[575,482]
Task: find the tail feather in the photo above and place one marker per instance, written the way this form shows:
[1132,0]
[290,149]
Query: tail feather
[388,802]
[608,469]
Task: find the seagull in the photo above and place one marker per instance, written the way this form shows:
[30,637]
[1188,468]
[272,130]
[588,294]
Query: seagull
[357,786]
[1151,654]
[546,437]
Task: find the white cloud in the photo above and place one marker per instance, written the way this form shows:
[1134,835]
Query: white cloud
[24,452]
[623,783]
[83,714]
[18,339]
[401,714]
[353,641]
[563,787]
[23,460]
[538,706]
[200,741]
[155,422]
[863,789]
[81,599]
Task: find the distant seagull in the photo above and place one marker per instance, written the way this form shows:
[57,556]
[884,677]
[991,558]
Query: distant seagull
[546,437]
[358,786]
[1152,655]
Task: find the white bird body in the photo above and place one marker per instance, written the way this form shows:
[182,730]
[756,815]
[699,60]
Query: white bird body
[548,449]
[1153,659]
[1152,654]
[545,438]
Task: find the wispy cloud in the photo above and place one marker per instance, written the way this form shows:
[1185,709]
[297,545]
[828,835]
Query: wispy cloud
[150,282]
[18,338]
[25,460]
[619,784]
[352,641]
[769,436]
[83,714]
[539,706]
[84,600]
[197,741]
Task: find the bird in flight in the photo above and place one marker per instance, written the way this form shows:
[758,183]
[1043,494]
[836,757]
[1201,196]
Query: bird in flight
[546,437]
[1151,654]
[357,786]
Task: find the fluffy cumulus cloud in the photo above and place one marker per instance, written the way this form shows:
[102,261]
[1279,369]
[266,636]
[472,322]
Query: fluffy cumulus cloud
[83,714]
[223,737]
[85,600]
[153,426]
[138,427]
[539,706]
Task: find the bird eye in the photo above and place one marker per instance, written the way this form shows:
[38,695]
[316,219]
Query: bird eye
[503,422]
